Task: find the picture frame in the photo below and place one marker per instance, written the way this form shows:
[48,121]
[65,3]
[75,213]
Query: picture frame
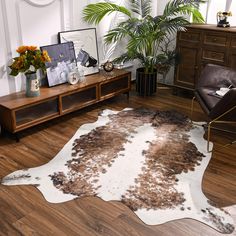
[85,46]
[63,61]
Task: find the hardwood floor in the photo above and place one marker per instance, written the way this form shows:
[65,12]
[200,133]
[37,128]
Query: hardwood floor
[23,210]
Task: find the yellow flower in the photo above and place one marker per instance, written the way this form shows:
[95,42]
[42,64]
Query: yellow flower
[31,48]
[19,63]
[45,56]
[21,49]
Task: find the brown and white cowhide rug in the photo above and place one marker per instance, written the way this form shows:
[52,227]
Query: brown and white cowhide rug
[152,161]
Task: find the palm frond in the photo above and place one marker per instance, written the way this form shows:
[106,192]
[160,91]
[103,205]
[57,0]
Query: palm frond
[128,56]
[176,7]
[141,7]
[137,44]
[115,34]
[197,16]
[126,28]
[171,25]
[102,9]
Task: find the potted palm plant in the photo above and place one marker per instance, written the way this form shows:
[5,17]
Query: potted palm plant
[145,34]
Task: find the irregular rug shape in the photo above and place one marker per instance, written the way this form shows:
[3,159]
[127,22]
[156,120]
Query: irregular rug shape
[152,161]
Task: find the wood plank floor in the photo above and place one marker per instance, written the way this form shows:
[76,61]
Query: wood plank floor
[23,210]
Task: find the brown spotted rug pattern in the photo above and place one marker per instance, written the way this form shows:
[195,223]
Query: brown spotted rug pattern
[152,161]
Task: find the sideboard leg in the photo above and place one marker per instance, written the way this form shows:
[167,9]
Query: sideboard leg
[17,137]
[127,95]
[7,134]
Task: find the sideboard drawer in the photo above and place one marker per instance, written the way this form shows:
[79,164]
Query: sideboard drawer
[190,36]
[215,39]
[214,55]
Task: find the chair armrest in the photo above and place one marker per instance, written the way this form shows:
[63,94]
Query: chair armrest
[227,102]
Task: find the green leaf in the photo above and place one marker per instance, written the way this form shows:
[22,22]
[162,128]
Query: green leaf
[94,13]
[141,7]
[14,73]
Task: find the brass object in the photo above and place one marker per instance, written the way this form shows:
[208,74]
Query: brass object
[216,120]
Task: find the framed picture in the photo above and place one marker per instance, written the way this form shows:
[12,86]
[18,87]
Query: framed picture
[85,45]
[63,61]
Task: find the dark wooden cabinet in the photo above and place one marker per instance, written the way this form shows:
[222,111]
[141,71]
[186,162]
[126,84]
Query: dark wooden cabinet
[200,45]
[18,112]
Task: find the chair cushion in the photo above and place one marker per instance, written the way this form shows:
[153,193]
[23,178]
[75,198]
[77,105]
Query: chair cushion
[207,95]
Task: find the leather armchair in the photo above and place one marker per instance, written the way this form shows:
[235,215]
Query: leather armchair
[218,109]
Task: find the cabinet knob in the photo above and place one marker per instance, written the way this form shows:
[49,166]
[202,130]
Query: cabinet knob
[214,54]
[214,40]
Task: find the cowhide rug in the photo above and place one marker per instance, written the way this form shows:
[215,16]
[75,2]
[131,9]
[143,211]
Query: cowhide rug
[152,161]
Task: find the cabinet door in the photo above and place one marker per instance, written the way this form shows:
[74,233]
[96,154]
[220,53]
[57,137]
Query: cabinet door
[113,87]
[79,99]
[36,113]
[187,71]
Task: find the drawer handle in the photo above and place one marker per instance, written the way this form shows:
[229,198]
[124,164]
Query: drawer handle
[214,40]
[214,54]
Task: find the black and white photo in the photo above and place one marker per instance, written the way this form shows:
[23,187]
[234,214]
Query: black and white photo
[85,45]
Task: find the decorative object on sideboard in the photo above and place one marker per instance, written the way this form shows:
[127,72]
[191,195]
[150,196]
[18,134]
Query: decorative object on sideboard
[28,62]
[63,62]
[85,46]
[74,76]
[143,32]
[108,66]
[32,85]
[222,18]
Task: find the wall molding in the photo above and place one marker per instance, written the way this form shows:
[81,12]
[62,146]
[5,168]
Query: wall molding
[19,25]
[40,3]
[7,51]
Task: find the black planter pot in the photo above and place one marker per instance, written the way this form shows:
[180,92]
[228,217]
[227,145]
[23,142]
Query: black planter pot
[146,84]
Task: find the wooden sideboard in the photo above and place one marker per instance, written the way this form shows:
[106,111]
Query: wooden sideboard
[202,44]
[18,112]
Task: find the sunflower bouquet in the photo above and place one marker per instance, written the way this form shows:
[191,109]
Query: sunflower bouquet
[30,60]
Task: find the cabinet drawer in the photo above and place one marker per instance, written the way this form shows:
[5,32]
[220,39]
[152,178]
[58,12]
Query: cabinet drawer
[213,55]
[191,36]
[215,39]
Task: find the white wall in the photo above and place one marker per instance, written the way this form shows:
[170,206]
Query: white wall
[32,22]
[5,84]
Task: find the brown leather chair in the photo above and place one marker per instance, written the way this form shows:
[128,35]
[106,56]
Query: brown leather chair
[218,109]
